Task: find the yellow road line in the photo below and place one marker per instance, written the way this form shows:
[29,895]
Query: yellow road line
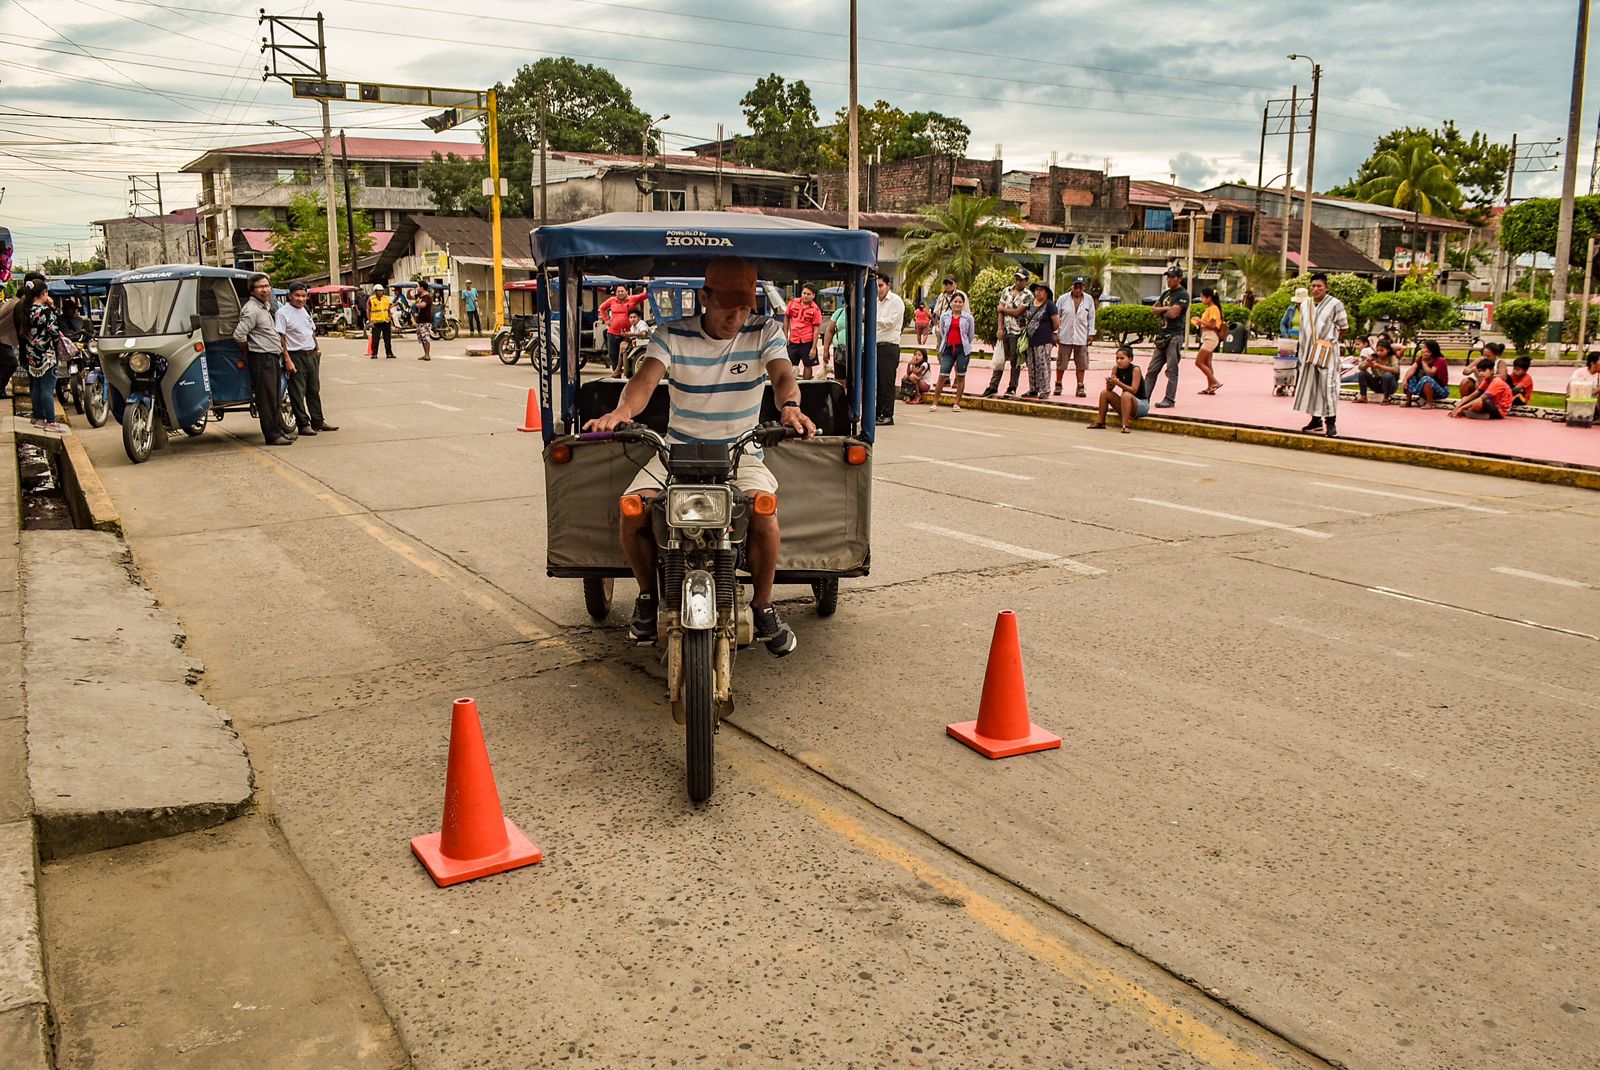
[1194,1037]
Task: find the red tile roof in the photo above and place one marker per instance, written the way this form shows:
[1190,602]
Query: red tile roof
[360,148]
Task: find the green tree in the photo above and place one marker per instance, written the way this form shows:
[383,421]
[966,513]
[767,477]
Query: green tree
[1530,227]
[1477,165]
[61,267]
[901,135]
[783,126]
[587,110]
[1126,323]
[1522,320]
[984,296]
[1257,272]
[300,245]
[962,237]
[1412,309]
[1353,290]
[1100,266]
[1267,314]
[1411,177]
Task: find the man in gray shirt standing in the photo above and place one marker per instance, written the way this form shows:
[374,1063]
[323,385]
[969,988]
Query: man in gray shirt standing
[305,358]
[1173,308]
[266,351]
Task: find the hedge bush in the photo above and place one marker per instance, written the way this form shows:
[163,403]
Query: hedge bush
[1522,320]
[1412,310]
[1268,313]
[1127,323]
[985,302]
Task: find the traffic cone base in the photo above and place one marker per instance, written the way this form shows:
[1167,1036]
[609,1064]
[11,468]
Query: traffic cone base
[445,871]
[1036,739]
[531,421]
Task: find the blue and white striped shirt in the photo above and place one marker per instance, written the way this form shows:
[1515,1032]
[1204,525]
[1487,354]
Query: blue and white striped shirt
[715,385]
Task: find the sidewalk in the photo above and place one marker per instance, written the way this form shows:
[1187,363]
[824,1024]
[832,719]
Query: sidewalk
[1246,401]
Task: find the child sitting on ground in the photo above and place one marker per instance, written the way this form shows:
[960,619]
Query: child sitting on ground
[1520,379]
[1490,396]
[1122,392]
[915,383]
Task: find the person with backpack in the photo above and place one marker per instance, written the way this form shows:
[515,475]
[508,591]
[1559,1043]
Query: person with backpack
[41,344]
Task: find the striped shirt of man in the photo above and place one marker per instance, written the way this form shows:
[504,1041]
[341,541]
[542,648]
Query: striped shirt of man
[715,385]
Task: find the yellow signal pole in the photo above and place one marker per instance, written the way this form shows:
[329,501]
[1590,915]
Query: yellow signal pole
[494,209]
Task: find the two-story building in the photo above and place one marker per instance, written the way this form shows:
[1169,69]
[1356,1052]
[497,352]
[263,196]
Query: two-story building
[140,241]
[246,189]
[583,184]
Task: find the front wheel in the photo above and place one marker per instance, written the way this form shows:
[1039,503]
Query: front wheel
[138,430]
[700,723]
[826,593]
[597,596]
[505,347]
[96,407]
[450,330]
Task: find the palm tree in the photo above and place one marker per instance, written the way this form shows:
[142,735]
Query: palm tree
[1102,267]
[960,238]
[1412,177]
[1258,272]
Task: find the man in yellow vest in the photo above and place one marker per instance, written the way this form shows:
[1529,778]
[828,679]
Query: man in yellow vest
[378,315]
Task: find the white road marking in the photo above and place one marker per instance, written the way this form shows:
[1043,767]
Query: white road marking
[380,423]
[439,405]
[1540,576]
[1024,552]
[1410,498]
[966,467]
[1388,592]
[343,382]
[458,375]
[1336,509]
[511,386]
[475,394]
[1143,456]
[1307,532]
[953,430]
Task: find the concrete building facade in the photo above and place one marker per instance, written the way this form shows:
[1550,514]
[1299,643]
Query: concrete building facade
[137,241]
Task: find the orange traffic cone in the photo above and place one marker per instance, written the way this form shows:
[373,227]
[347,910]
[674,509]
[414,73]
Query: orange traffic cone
[371,341]
[531,421]
[476,839]
[1002,728]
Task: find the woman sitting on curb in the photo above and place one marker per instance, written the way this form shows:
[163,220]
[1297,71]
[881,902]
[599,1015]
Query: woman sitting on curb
[1429,377]
[1122,390]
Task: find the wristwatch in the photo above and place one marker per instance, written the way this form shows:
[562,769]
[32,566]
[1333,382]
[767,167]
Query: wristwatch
[790,404]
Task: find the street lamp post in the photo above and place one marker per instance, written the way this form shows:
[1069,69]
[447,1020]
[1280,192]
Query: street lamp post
[1311,160]
[1193,210]
[646,194]
[326,142]
[1569,182]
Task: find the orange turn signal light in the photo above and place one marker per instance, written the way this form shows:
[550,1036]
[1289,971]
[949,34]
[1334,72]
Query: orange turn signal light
[561,453]
[764,504]
[199,347]
[855,454]
[632,505]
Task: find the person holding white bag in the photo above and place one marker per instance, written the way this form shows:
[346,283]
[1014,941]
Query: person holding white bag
[1323,321]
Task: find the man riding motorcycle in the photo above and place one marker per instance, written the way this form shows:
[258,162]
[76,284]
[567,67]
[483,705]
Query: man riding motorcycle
[720,361]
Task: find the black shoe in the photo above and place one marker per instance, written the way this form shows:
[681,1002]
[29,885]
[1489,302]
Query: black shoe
[1314,425]
[771,630]
[280,440]
[990,393]
[886,421]
[1164,404]
[642,628]
[306,430]
[326,427]
[1333,427]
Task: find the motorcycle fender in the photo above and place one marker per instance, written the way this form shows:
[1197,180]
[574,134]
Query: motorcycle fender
[699,601]
[722,684]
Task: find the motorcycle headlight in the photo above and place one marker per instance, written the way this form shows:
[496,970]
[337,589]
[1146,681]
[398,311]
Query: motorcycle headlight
[699,507]
[139,362]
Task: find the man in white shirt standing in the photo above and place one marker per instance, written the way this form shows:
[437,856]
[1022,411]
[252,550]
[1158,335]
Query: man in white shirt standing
[891,321]
[305,380]
[1077,327]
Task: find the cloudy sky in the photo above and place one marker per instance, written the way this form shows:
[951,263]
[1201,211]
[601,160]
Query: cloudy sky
[1155,88]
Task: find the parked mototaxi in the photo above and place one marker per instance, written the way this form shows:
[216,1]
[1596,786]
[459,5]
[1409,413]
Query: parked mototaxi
[333,307]
[824,500]
[168,354]
[521,333]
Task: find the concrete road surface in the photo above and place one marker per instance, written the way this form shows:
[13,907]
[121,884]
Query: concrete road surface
[1326,792]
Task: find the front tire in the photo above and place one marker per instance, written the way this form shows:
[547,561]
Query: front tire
[138,430]
[826,593]
[700,723]
[505,347]
[96,408]
[450,330]
[597,597]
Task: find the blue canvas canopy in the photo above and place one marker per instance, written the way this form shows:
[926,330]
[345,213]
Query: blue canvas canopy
[93,282]
[656,244]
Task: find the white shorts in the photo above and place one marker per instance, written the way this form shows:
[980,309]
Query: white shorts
[753,477]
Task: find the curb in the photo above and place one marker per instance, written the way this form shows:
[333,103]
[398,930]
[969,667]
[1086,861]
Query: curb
[86,496]
[1447,460]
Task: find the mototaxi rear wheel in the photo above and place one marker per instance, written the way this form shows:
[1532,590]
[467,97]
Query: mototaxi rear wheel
[597,596]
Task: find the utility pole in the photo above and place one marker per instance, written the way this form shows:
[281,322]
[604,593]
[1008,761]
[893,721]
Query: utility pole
[544,154]
[349,211]
[495,238]
[1288,190]
[1527,158]
[144,200]
[853,212]
[291,63]
[1311,160]
[1502,274]
[1261,174]
[1569,181]
[718,199]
